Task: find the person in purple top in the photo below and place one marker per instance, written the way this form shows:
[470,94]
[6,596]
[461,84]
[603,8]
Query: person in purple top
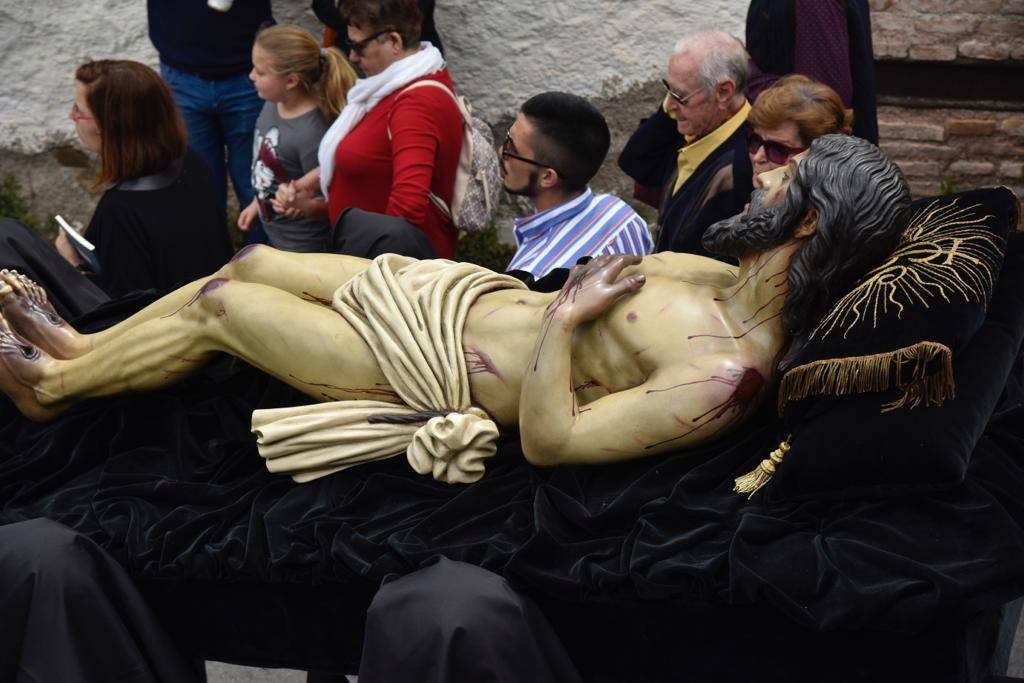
[553,149]
[826,40]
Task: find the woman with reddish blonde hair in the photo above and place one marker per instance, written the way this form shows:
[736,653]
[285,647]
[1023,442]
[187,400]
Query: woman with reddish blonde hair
[788,116]
[142,130]
[158,224]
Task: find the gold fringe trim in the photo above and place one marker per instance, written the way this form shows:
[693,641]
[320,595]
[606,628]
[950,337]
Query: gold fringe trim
[751,482]
[905,369]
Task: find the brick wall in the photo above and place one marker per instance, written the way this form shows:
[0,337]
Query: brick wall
[946,30]
[944,147]
[954,148]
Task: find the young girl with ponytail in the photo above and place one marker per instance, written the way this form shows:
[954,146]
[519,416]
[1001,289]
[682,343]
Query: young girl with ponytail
[304,87]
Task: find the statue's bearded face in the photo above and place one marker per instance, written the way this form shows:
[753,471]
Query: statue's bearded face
[759,227]
[857,193]
[754,230]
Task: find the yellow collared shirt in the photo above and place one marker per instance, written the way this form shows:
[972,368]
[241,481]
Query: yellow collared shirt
[695,151]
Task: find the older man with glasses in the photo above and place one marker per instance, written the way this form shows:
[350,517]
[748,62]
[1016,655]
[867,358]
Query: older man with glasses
[694,148]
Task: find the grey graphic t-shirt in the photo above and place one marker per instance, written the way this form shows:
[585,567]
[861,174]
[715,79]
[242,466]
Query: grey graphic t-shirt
[285,150]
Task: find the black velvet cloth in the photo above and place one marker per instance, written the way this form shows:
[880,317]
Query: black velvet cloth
[248,566]
[22,249]
[172,485]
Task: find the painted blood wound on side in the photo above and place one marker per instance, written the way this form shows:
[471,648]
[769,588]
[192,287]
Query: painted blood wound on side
[478,362]
[748,388]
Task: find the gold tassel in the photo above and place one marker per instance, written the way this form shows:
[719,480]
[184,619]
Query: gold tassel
[905,369]
[753,481]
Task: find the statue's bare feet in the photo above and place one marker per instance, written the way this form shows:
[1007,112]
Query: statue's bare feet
[28,310]
[21,367]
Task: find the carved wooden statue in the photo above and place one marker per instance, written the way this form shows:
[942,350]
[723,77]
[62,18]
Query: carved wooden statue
[629,359]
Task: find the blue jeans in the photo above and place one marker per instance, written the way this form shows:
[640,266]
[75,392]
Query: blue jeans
[221,114]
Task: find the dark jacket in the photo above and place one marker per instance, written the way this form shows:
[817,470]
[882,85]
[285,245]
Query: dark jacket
[719,188]
[192,37]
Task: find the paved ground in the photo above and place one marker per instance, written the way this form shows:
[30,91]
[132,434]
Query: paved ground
[226,673]
[1017,655]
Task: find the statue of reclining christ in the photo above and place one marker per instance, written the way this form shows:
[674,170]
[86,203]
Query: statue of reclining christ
[629,359]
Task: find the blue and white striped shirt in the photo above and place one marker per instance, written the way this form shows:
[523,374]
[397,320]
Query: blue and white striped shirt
[589,225]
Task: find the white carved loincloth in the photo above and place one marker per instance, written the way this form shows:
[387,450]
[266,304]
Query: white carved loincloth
[411,314]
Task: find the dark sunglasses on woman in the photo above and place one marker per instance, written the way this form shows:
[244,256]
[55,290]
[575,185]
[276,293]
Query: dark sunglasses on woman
[775,152]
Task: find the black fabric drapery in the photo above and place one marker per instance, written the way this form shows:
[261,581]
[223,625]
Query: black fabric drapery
[171,484]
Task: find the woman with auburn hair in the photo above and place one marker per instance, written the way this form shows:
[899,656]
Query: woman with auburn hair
[158,224]
[788,116]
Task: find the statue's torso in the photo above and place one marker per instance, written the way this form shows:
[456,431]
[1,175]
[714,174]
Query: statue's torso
[678,319]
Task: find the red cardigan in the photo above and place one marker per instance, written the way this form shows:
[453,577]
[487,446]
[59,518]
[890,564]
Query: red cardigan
[393,176]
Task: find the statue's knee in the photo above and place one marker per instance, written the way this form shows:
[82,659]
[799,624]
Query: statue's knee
[210,299]
[245,261]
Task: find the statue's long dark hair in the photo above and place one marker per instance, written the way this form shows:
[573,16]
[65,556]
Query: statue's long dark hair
[859,194]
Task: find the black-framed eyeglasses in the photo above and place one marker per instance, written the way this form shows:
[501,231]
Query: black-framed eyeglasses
[775,152]
[508,150]
[358,46]
[681,99]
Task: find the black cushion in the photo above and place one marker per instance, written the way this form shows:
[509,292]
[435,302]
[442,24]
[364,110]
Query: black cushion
[901,376]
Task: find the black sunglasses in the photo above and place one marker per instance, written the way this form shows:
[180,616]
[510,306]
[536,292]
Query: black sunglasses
[508,150]
[358,46]
[775,152]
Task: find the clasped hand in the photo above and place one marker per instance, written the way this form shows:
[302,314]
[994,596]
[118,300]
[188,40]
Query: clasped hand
[290,198]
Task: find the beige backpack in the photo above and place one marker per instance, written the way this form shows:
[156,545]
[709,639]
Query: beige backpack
[478,178]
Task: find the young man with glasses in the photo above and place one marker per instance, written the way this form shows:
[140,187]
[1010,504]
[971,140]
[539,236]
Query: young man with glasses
[555,147]
[694,148]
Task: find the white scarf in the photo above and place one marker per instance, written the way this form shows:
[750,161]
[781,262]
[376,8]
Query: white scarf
[367,94]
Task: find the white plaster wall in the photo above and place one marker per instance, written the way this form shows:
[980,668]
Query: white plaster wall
[41,43]
[500,51]
[503,51]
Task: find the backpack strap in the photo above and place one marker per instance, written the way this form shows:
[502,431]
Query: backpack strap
[467,123]
[459,104]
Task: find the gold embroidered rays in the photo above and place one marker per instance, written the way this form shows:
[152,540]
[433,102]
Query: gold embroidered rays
[946,252]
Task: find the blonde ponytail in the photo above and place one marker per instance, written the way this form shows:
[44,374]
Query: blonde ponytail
[324,74]
[337,78]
